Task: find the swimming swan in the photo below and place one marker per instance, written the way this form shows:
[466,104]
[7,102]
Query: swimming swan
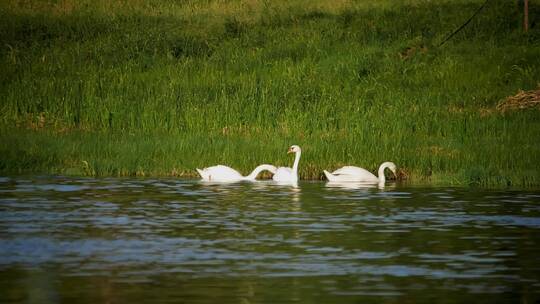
[222,173]
[356,174]
[286,174]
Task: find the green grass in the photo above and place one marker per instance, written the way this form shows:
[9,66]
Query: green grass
[161,87]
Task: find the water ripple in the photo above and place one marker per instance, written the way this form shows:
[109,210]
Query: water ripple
[351,240]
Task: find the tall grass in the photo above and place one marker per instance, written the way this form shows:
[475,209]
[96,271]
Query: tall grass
[161,87]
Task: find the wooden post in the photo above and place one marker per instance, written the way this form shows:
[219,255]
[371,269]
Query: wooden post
[526,15]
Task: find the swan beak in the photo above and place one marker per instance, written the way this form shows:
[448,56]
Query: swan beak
[289,151]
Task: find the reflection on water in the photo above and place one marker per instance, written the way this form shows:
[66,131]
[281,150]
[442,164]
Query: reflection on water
[120,240]
[359,185]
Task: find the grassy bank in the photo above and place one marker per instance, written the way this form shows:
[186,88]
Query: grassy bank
[159,87]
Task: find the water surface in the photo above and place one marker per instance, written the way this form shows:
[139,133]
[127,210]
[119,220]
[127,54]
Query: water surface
[182,241]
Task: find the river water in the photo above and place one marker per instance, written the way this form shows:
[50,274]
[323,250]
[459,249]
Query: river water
[183,241]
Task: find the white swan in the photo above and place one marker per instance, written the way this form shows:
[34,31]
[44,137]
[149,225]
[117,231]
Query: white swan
[222,173]
[356,174]
[286,174]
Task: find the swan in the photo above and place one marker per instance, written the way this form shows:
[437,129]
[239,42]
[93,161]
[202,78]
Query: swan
[357,174]
[286,174]
[222,173]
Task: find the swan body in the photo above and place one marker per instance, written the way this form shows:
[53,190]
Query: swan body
[222,173]
[357,174]
[286,174]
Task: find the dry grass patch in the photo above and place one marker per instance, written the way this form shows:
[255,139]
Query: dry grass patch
[522,100]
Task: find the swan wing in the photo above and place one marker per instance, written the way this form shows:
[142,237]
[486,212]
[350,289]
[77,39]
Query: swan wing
[220,173]
[283,174]
[356,173]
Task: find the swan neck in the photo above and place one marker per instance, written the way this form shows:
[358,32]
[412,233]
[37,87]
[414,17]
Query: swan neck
[296,161]
[258,170]
[382,178]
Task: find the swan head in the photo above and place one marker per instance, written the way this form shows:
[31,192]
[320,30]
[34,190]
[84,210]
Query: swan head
[294,149]
[392,168]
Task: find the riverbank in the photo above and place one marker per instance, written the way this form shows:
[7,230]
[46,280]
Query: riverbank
[157,89]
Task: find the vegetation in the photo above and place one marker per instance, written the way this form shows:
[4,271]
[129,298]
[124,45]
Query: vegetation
[142,87]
